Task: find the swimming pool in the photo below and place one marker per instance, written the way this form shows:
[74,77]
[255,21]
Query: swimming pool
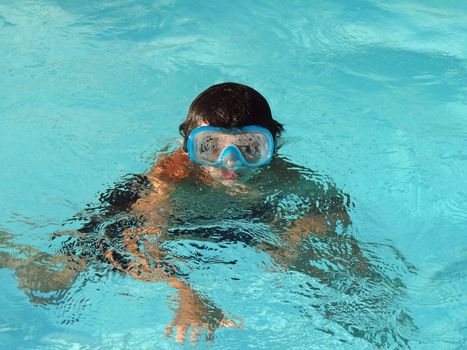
[372,94]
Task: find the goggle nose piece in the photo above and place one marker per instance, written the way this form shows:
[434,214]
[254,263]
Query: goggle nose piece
[230,159]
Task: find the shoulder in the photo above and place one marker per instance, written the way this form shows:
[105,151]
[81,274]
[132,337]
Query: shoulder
[125,192]
[172,167]
[306,183]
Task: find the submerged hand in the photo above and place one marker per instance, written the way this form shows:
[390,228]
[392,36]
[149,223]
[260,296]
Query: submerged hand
[200,315]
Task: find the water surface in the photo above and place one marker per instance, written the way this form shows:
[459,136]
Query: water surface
[373,97]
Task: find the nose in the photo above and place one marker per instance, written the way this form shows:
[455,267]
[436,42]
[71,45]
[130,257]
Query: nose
[231,163]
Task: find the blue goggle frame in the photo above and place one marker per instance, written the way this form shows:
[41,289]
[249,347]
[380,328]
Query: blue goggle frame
[231,148]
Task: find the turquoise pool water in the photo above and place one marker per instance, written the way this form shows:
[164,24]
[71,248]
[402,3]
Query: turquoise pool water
[372,94]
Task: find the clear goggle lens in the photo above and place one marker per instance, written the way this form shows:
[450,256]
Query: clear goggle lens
[254,145]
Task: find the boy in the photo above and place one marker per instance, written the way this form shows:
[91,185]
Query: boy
[229,140]
[227,163]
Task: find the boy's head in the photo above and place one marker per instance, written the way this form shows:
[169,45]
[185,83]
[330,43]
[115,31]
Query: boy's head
[229,105]
[230,126]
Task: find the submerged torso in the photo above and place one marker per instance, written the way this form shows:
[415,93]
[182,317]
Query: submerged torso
[274,197]
[194,202]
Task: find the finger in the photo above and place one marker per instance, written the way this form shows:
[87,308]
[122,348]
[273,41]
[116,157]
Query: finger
[195,333]
[226,323]
[181,332]
[229,323]
[169,329]
[210,334]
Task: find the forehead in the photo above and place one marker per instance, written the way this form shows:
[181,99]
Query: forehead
[221,124]
[204,123]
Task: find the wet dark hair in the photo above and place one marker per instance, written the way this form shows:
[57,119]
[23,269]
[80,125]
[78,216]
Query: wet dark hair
[229,105]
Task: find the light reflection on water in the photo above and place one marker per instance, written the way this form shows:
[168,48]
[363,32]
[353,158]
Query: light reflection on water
[372,94]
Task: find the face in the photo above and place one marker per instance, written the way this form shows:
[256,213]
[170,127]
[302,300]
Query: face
[232,170]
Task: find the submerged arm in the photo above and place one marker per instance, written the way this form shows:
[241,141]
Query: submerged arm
[318,222]
[39,272]
[149,260]
[308,207]
[311,204]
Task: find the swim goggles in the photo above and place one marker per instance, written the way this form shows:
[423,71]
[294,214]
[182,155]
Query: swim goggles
[251,146]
